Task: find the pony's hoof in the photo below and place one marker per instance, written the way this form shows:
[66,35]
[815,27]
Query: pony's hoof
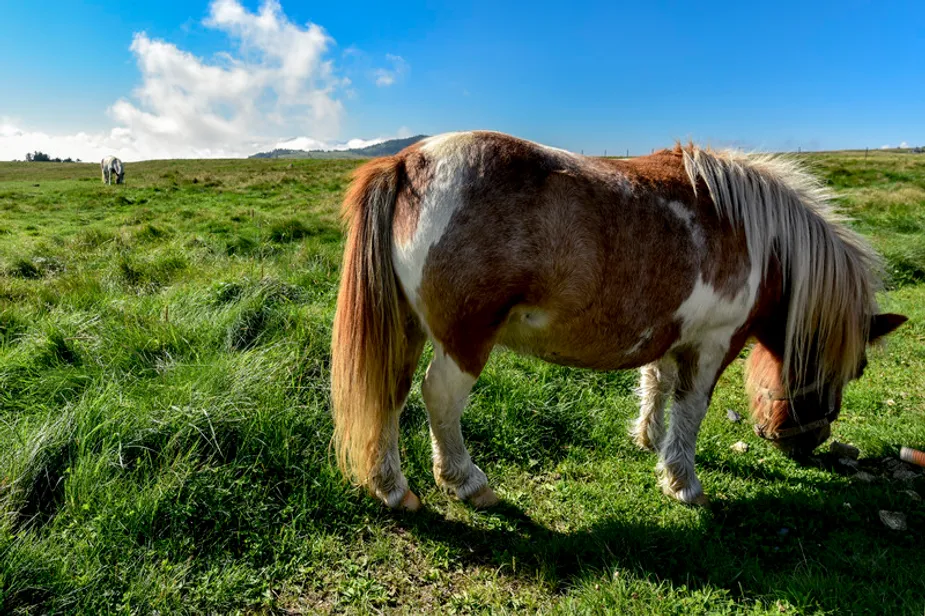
[409,502]
[484,498]
[688,496]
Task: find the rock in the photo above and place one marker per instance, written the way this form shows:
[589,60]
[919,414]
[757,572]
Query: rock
[904,474]
[892,464]
[852,464]
[844,450]
[865,477]
[893,520]
[733,416]
[740,447]
[913,495]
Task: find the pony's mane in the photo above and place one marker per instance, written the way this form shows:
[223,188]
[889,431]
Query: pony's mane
[831,274]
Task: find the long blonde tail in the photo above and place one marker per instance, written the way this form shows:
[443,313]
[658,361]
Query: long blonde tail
[369,346]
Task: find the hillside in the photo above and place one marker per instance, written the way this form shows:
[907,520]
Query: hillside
[392,146]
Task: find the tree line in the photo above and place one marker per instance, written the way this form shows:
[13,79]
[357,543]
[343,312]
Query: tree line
[42,157]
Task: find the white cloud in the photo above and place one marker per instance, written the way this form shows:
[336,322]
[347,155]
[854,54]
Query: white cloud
[7,128]
[386,77]
[886,147]
[307,143]
[277,81]
[904,145]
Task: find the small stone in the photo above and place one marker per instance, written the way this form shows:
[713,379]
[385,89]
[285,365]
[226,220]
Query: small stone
[893,520]
[891,402]
[852,464]
[733,416]
[865,477]
[740,447]
[905,474]
[844,450]
[913,495]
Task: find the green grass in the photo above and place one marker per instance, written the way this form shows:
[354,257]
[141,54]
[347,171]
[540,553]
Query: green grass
[164,429]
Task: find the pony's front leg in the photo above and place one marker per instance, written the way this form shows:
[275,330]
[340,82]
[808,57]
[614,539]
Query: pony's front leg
[697,374]
[445,390]
[656,384]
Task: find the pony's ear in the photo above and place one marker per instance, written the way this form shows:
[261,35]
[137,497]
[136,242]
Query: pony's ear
[883,324]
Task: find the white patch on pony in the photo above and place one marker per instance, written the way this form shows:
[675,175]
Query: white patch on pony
[708,314]
[531,317]
[439,145]
[643,339]
[686,215]
[681,211]
[441,200]
[445,390]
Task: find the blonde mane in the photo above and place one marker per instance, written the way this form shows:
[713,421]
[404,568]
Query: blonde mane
[831,274]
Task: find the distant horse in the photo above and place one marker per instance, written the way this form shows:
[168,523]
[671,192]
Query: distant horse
[669,262]
[112,166]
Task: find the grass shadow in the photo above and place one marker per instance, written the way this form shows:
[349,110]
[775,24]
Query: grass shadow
[806,548]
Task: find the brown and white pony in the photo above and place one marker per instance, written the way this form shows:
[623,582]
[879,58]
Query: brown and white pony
[669,262]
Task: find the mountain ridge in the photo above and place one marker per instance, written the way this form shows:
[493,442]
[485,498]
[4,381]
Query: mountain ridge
[386,148]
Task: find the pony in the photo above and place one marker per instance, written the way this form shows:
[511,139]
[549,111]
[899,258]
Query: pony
[112,166]
[670,263]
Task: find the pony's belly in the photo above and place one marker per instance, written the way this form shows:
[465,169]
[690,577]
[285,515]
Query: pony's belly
[612,346]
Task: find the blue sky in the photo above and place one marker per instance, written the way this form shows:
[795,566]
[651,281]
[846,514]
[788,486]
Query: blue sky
[226,78]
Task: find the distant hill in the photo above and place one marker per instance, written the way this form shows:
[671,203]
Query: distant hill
[392,146]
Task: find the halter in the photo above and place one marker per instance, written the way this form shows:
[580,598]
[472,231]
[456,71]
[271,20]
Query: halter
[826,419]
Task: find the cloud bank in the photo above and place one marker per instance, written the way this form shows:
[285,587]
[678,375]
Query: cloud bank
[276,82]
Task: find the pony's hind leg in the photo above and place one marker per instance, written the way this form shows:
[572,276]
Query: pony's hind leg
[445,390]
[656,384]
[387,481]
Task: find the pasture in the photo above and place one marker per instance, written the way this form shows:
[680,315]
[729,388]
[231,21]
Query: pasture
[165,428]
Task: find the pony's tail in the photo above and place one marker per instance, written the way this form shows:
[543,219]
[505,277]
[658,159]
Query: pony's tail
[368,350]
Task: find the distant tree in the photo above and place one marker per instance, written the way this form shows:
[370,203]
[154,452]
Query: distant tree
[29,157]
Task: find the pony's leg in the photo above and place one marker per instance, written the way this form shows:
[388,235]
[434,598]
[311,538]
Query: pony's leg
[697,375]
[656,384]
[445,390]
[387,481]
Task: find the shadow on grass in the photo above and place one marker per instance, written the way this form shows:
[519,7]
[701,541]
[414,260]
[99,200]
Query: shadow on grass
[811,550]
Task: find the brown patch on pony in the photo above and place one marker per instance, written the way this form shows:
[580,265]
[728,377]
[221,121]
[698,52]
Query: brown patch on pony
[374,328]
[663,173]
[418,171]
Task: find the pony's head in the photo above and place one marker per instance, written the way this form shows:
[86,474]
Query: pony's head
[798,421]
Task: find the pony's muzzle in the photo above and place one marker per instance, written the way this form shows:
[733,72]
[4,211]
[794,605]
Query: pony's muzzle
[803,444]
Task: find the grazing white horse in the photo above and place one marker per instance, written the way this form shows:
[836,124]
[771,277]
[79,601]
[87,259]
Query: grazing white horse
[112,166]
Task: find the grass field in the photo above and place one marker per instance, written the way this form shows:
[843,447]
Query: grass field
[164,429]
